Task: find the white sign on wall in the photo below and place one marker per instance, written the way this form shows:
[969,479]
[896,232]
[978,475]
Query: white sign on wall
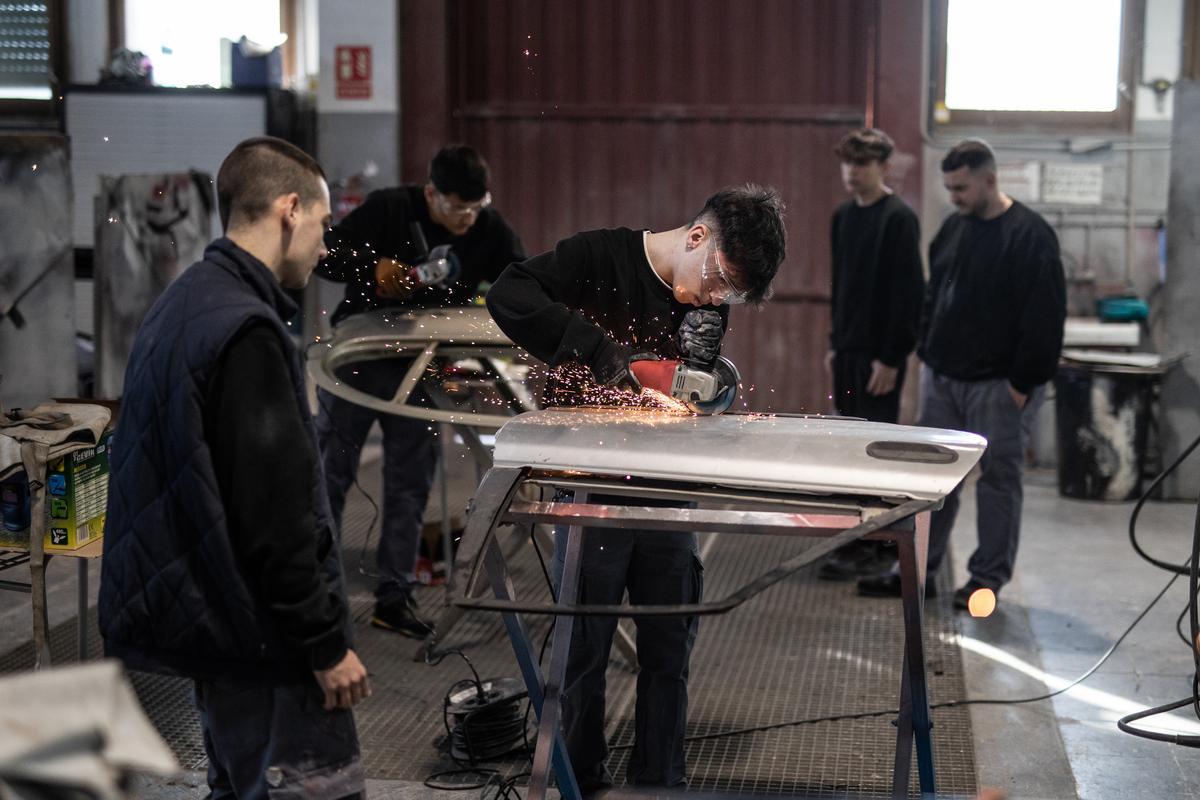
[1073,184]
[357,44]
[1020,180]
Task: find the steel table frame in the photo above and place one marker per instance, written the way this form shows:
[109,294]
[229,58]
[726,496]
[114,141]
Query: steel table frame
[835,520]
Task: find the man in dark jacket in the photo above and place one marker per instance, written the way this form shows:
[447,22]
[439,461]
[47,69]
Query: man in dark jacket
[991,334]
[430,246]
[220,559]
[588,308]
[877,283]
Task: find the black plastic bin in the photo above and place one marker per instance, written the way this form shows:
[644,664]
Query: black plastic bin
[1102,414]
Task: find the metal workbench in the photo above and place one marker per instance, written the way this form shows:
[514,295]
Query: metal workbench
[833,479]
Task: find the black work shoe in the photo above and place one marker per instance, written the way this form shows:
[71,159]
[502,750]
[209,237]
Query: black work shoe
[402,617]
[838,569]
[857,560]
[888,585]
[962,595]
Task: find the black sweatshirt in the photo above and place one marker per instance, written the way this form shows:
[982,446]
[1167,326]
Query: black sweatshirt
[382,227]
[592,293]
[878,280]
[996,300]
[264,467]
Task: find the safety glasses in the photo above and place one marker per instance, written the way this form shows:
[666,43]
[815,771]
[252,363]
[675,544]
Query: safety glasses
[725,288]
[463,209]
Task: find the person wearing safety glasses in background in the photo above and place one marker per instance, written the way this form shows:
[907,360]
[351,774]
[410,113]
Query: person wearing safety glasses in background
[597,307]
[413,246]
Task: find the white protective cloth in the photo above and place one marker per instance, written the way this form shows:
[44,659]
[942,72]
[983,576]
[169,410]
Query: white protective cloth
[75,728]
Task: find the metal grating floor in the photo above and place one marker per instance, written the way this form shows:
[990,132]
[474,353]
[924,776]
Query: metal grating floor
[804,649]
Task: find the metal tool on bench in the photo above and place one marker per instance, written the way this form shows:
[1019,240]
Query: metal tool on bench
[834,479]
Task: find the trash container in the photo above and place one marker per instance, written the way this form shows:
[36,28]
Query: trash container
[1102,413]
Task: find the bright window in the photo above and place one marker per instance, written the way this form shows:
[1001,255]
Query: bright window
[25,65]
[182,38]
[1033,55]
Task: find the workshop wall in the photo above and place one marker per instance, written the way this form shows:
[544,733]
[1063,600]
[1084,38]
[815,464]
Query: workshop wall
[631,113]
[358,131]
[1109,247]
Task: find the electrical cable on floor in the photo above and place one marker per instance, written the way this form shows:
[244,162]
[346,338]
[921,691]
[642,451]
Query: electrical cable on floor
[1193,572]
[1137,510]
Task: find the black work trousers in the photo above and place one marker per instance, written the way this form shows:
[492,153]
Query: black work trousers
[851,371]
[657,568]
[277,742]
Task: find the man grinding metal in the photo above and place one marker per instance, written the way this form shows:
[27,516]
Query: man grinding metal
[634,309]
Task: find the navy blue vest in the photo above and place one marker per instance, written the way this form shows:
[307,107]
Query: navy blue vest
[172,598]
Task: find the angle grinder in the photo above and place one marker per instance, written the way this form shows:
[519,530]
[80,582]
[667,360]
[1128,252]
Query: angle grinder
[704,389]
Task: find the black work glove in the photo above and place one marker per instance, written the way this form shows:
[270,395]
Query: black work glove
[699,337]
[610,365]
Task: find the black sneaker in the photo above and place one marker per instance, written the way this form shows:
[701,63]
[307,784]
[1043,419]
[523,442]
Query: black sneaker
[888,585]
[402,617]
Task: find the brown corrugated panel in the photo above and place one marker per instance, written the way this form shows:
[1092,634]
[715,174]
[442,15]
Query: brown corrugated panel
[600,113]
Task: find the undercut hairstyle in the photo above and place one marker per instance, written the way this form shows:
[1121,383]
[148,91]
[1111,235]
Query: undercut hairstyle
[865,145]
[748,223]
[974,154]
[258,171]
[459,169]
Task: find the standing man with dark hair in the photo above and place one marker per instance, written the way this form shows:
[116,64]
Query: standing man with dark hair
[221,561]
[877,286]
[593,307]
[991,334]
[430,246]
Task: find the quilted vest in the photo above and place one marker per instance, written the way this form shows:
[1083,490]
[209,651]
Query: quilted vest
[172,598]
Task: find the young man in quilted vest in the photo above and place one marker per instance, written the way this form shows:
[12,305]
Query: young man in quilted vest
[220,559]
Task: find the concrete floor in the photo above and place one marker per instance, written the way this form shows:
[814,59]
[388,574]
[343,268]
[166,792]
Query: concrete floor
[1078,586]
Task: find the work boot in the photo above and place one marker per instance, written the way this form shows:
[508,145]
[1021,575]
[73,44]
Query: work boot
[403,617]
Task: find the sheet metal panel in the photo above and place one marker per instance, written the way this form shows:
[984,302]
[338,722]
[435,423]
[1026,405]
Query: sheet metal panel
[816,455]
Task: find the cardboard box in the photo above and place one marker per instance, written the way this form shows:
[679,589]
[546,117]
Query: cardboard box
[76,501]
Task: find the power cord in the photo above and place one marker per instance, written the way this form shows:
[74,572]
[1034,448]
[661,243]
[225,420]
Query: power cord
[1192,569]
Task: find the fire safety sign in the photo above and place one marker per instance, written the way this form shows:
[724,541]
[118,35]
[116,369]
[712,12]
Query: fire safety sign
[353,67]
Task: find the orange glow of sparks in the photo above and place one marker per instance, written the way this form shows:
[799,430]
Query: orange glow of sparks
[982,602]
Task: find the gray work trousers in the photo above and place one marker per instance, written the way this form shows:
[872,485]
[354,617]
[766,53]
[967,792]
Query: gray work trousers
[986,408]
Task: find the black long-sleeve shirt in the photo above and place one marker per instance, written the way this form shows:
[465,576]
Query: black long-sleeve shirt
[594,291]
[877,278]
[996,300]
[264,466]
[383,227]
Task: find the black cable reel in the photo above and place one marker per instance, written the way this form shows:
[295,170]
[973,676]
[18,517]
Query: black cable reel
[485,719]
